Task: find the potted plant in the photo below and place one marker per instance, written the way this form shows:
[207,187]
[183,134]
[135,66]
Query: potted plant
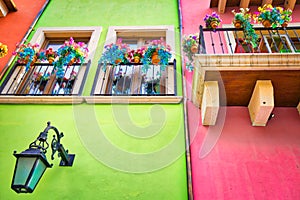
[27,54]
[40,80]
[48,55]
[286,16]
[157,53]
[241,17]
[242,20]
[3,50]
[114,54]
[135,56]
[190,48]
[212,21]
[269,16]
[69,53]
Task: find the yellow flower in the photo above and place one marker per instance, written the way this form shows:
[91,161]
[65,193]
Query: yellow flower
[3,50]
[280,9]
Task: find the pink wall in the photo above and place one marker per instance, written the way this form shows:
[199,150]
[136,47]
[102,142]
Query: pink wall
[194,12]
[234,160]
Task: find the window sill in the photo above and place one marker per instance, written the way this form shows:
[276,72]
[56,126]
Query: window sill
[7,99]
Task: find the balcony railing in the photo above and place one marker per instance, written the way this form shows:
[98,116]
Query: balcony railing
[131,80]
[232,40]
[41,79]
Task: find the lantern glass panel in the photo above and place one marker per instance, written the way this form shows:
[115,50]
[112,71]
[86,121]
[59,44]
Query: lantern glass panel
[23,168]
[37,173]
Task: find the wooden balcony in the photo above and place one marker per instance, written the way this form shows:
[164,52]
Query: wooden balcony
[222,4]
[237,72]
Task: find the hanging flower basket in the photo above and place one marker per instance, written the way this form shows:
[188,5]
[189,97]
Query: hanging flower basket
[285,24]
[190,48]
[194,48]
[114,54]
[155,59]
[212,21]
[237,23]
[157,53]
[51,60]
[214,24]
[266,23]
[27,54]
[72,61]
[136,59]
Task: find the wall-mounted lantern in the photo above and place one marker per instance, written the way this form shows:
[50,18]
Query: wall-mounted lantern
[32,163]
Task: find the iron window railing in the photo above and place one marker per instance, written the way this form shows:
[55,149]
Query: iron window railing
[131,80]
[41,79]
[232,40]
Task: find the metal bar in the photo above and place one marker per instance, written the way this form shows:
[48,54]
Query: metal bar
[212,42]
[275,45]
[201,46]
[290,39]
[230,44]
[256,28]
[221,43]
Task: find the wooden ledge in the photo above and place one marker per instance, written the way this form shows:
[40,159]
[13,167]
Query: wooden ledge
[257,60]
[90,99]
[133,99]
[41,100]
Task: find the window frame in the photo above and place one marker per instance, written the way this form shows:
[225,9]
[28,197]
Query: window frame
[40,37]
[147,31]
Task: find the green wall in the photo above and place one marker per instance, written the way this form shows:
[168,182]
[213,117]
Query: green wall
[122,151]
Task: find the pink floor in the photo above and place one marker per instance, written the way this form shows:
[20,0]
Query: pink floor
[234,160]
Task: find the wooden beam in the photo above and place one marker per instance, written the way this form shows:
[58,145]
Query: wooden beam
[244,3]
[3,9]
[261,103]
[210,103]
[289,4]
[222,6]
[197,85]
[263,2]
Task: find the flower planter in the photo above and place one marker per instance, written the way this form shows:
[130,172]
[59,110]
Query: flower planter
[155,58]
[72,61]
[237,24]
[194,48]
[118,61]
[213,24]
[34,59]
[285,24]
[51,60]
[136,59]
[266,23]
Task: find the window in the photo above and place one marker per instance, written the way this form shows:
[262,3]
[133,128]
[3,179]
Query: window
[41,79]
[130,79]
[6,7]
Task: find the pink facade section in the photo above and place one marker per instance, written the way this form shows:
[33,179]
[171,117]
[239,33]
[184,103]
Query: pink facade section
[235,160]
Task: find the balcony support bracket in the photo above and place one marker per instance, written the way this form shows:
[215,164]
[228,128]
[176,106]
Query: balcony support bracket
[261,103]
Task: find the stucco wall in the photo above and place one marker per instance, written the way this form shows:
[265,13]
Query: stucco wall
[89,130]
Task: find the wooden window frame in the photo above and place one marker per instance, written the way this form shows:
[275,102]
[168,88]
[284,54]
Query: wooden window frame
[6,7]
[136,31]
[40,37]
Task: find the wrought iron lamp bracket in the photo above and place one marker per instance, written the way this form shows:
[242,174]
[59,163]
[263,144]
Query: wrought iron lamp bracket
[42,144]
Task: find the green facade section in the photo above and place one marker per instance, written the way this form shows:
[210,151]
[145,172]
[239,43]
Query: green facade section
[122,151]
